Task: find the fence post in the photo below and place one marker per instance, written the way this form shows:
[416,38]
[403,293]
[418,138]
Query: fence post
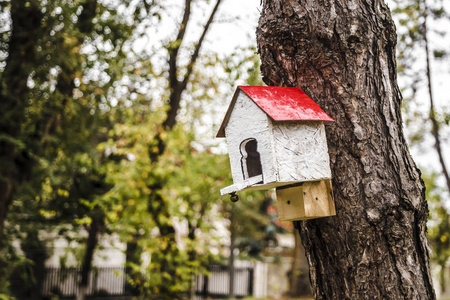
[95,281]
[250,281]
[205,286]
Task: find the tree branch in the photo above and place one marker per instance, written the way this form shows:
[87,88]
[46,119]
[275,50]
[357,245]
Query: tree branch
[432,115]
[176,87]
[199,45]
[174,46]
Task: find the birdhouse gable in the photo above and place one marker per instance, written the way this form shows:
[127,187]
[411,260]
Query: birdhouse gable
[249,143]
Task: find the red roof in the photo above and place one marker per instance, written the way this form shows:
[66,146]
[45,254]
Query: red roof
[279,103]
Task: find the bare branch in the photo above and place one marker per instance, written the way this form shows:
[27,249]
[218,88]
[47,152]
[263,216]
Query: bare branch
[177,87]
[199,45]
[174,46]
[432,115]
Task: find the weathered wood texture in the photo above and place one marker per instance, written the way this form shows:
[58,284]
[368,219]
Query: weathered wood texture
[301,152]
[311,200]
[342,53]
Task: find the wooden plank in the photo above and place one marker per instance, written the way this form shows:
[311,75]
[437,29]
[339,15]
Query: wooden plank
[290,203]
[309,201]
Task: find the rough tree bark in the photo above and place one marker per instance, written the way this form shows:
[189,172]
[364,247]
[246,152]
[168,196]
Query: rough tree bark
[299,281]
[342,53]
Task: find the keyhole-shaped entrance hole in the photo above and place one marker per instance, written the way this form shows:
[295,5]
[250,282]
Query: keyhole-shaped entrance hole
[251,160]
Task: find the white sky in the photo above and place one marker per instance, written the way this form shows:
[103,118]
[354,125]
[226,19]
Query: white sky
[227,36]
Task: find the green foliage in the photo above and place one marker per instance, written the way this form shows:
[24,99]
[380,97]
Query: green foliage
[82,113]
[56,100]
[439,225]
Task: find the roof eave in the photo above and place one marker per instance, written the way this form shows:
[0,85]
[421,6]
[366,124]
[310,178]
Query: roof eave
[221,132]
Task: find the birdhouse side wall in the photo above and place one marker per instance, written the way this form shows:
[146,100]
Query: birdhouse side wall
[301,151]
[247,121]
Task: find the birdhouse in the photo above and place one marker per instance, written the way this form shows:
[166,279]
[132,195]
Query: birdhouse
[276,139]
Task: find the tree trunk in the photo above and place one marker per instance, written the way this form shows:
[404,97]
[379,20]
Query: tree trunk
[26,19]
[36,251]
[342,54]
[92,241]
[133,256]
[299,285]
[442,277]
[231,257]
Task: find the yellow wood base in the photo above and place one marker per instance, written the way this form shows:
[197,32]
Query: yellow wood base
[310,200]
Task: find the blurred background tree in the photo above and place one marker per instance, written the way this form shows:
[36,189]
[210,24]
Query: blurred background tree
[101,118]
[422,27]
[439,231]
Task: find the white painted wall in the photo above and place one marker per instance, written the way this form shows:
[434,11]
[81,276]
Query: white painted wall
[246,121]
[301,151]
